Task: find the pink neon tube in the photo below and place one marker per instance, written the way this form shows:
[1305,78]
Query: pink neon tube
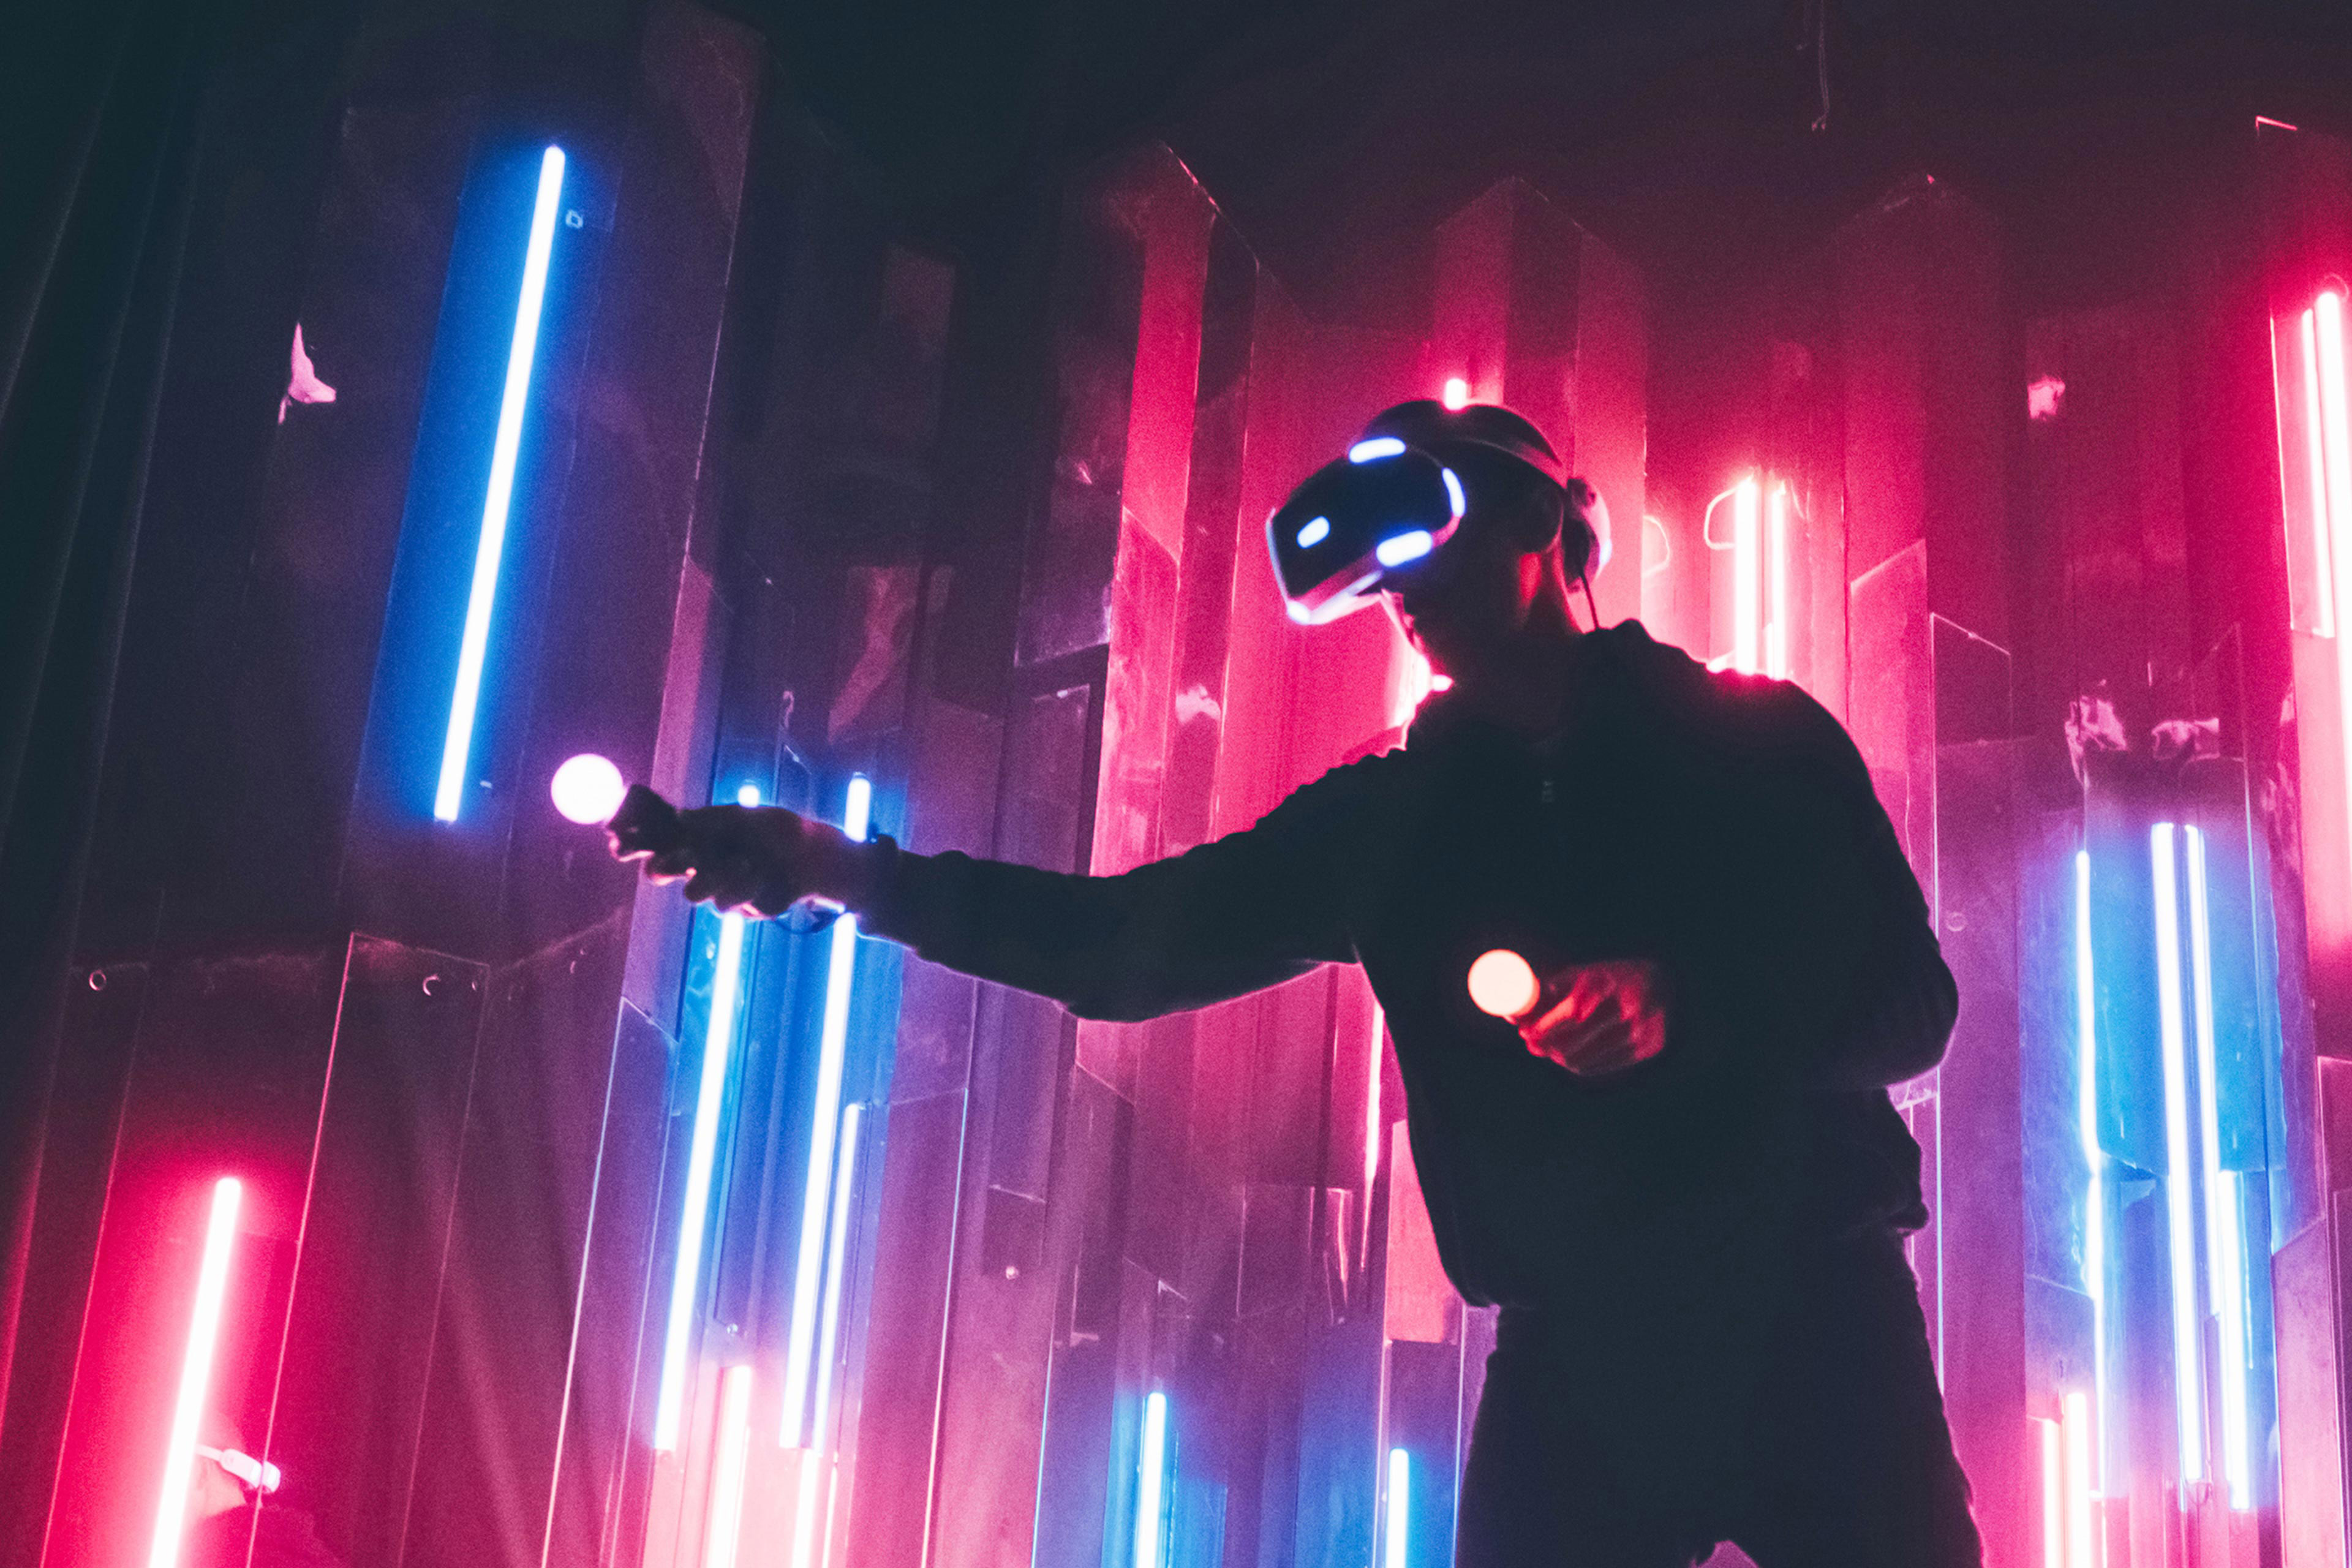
[2323,570]
[1776,573]
[197,1372]
[1746,584]
[2335,450]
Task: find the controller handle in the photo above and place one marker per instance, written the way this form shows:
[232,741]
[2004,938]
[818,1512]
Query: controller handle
[645,825]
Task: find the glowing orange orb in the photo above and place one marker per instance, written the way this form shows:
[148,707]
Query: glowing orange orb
[1502,983]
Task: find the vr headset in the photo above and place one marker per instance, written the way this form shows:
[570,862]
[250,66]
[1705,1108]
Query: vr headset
[1383,506]
[1399,495]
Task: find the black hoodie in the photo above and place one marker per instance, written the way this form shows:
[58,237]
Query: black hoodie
[1721,825]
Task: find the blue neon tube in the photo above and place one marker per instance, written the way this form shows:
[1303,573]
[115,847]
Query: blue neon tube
[833,1038]
[1151,1481]
[1399,1518]
[702,1158]
[2225,1238]
[2095,1198]
[474,645]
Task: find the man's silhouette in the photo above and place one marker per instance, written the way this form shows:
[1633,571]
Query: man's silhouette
[1679,1173]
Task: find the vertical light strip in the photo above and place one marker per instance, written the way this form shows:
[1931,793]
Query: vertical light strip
[836,1252]
[819,1459]
[475,645]
[1372,1123]
[2179,1179]
[196,1371]
[2086,1110]
[1746,584]
[1399,1524]
[1776,573]
[1151,1481]
[832,1036]
[2223,1239]
[723,1531]
[2082,1482]
[2336,447]
[2053,1492]
[2323,571]
[701,1161]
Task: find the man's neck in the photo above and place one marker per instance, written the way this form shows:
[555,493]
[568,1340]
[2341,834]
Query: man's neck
[1525,688]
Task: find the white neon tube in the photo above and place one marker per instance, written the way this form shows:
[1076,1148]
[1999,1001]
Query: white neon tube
[2223,1240]
[833,1038]
[196,1373]
[702,1158]
[1747,580]
[2081,1517]
[1399,1526]
[818,1457]
[2314,448]
[474,645]
[836,1252]
[2095,1197]
[2180,1183]
[1776,569]
[1151,1481]
[723,1531]
[2053,1492]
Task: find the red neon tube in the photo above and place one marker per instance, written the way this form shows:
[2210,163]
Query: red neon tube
[196,1373]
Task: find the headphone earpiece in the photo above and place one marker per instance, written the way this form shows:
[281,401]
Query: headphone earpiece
[1584,552]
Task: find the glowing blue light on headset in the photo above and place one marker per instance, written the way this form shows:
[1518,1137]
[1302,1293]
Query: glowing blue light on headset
[1398,549]
[1316,531]
[1378,446]
[1454,491]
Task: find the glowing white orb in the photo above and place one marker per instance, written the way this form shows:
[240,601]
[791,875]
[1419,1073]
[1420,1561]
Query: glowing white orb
[1458,392]
[587,789]
[1502,983]
[747,794]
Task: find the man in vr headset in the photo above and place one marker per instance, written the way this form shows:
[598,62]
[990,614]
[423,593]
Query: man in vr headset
[1665,1149]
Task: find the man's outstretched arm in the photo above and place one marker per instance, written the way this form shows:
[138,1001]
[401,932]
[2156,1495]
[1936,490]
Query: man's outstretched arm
[1246,911]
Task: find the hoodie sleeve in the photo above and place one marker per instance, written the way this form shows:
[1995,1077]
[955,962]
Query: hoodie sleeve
[1847,950]
[1246,911]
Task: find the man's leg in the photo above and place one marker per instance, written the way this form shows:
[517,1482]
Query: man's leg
[1534,1494]
[1855,1463]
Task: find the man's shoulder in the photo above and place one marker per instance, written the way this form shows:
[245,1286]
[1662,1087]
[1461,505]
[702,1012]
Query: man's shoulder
[1724,705]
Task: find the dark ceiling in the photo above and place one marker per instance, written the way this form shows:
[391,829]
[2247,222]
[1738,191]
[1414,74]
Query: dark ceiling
[1681,130]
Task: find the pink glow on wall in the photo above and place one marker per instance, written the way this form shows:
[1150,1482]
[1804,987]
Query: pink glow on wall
[196,1373]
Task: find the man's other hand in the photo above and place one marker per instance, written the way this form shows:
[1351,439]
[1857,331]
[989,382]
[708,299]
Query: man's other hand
[1610,1017]
[761,858]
